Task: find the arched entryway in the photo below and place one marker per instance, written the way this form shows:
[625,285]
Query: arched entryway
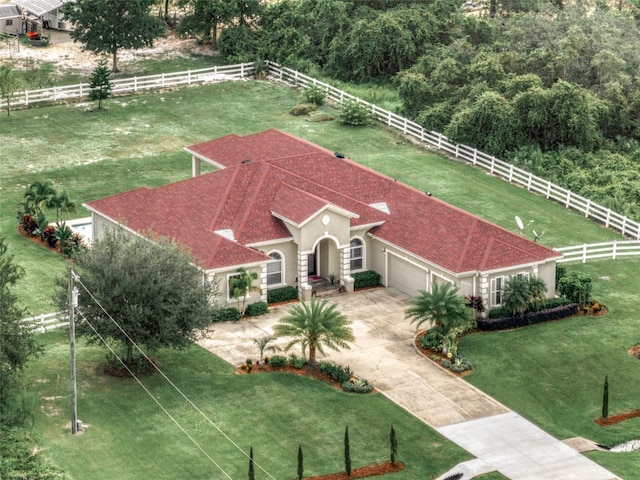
[325,259]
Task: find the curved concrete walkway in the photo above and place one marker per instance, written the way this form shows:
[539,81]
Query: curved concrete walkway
[384,353]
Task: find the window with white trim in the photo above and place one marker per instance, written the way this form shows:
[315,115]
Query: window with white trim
[356,248]
[274,269]
[497,286]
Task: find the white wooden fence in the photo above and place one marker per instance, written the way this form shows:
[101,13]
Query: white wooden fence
[613,250]
[48,321]
[500,168]
[133,85]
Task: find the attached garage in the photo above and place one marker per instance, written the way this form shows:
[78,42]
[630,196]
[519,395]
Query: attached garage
[405,276]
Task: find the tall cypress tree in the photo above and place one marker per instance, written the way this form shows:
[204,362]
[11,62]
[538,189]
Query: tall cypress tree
[347,452]
[394,445]
[251,473]
[605,398]
[300,463]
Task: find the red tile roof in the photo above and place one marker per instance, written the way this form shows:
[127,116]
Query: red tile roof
[283,170]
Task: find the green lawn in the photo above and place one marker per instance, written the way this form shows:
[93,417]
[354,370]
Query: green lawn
[138,141]
[554,373]
[127,433]
[551,374]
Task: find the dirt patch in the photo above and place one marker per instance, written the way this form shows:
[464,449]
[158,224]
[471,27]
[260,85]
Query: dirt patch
[635,351]
[69,55]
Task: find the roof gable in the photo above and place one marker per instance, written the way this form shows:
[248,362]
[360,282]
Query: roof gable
[292,179]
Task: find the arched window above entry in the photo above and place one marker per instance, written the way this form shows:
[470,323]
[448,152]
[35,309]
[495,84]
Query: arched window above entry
[274,269]
[357,254]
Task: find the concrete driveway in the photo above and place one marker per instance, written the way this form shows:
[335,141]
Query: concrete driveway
[384,353]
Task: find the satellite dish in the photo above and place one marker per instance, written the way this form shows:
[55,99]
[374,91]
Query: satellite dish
[519,223]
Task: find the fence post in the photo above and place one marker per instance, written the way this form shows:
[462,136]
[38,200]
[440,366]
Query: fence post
[439,141]
[135,84]
[162,81]
[510,173]
[529,180]
[188,77]
[475,156]
[584,253]
[606,222]
[568,201]
[457,147]
[624,225]
[388,119]
[548,189]
[615,245]
[44,330]
[586,212]
[493,164]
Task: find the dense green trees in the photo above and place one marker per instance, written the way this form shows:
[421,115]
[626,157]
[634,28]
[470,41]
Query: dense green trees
[550,86]
[17,343]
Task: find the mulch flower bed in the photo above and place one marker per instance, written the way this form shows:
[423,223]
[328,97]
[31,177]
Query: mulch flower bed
[431,355]
[368,471]
[305,370]
[621,417]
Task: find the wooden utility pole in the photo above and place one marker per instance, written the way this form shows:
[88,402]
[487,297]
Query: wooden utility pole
[73,303]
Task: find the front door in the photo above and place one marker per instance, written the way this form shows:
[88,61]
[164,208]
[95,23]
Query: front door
[311,264]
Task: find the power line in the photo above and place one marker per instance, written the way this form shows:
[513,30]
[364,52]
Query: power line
[154,398]
[188,400]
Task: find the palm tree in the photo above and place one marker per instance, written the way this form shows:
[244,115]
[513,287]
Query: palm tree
[516,295]
[537,291]
[241,284]
[264,346]
[315,325]
[61,203]
[521,294]
[37,196]
[445,309]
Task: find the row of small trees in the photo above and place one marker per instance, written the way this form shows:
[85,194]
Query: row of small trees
[393,449]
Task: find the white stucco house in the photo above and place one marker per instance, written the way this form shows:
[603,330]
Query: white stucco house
[294,212]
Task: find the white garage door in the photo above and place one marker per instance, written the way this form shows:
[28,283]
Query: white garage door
[405,277]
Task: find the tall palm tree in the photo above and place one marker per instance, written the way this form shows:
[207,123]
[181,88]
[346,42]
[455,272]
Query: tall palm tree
[315,325]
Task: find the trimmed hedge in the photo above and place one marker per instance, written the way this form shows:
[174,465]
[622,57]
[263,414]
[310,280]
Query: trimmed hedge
[230,314]
[529,318]
[284,294]
[278,361]
[369,278]
[256,309]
